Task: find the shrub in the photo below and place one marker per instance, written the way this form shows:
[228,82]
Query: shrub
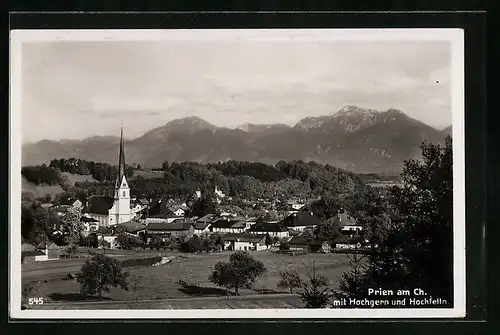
[140,261]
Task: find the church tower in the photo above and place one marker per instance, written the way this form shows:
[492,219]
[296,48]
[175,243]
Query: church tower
[121,212]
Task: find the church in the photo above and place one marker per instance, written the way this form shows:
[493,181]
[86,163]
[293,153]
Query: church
[109,211]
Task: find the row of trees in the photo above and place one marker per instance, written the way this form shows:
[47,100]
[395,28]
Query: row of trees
[414,234]
[99,171]
[41,174]
[44,225]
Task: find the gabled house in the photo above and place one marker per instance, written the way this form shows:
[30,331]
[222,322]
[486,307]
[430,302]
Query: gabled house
[32,256]
[90,225]
[177,210]
[134,228]
[246,242]
[272,229]
[349,224]
[347,242]
[300,221]
[201,228]
[228,226]
[98,209]
[209,218]
[301,244]
[170,229]
[165,217]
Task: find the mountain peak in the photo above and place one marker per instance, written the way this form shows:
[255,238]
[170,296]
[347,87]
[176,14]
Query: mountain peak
[259,128]
[351,110]
[190,120]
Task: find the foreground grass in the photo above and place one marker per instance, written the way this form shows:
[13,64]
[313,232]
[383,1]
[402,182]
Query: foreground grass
[162,282]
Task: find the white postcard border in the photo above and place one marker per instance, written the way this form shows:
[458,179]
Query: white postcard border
[456,38]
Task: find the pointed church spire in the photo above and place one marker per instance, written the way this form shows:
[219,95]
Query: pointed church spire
[121,161]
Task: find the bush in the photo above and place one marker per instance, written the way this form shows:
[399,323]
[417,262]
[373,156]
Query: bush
[140,261]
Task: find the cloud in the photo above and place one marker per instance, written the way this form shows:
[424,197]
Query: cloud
[81,89]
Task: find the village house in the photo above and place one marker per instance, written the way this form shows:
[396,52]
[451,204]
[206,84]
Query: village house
[98,208]
[170,229]
[228,226]
[245,242]
[201,228]
[300,221]
[347,242]
[272,229]
[249,222]
[166,217]
[295,206]
[134,228]
[90,225]
[209,218]
[177,210]
[349,224]
[299,243]
[32,256]
[70,202]
[46,252]
[111,239]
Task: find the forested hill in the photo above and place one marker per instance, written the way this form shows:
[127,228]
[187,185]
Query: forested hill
[294,179]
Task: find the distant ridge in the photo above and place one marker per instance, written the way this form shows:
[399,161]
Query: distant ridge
[354,138]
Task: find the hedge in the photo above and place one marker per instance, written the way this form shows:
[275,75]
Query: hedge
[141,261]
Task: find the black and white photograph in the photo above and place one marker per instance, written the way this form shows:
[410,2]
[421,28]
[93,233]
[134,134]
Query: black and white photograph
[250,173]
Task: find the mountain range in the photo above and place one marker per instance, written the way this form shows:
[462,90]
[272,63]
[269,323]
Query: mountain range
[356,139]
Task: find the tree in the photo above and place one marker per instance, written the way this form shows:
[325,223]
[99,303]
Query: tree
[104,244]
[30,288]
[316,294]
[352,284]
[418,250]
[72,225]
[123,241]
[290,279]
[240,272]
[99,274]
[328,230]
[205,205]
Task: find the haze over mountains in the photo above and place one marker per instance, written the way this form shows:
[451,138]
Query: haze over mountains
[357,139]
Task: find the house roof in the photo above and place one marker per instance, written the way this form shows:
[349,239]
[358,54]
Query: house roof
[175,208]
[346,239]
[267,227]
[206,218]
[67,201]
[61,208]
[144,202]
[99,205]
[133,226]
[183,220]
[201,225]
[252,238]
[300,219]
[222,223]
[345,219]
[32,253]
[86,219]
[53,246]
[164,215]
[163,226]
[300,240]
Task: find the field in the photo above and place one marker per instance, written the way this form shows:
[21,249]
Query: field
[78,178]
[40,190]
[161,282]
[147,174]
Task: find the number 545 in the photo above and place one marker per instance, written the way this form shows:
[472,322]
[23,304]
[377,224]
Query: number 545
[35,301]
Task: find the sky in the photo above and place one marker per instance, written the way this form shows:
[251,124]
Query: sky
[78,89]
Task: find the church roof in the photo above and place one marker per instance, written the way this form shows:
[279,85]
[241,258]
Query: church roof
[121,162]
[99,205]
